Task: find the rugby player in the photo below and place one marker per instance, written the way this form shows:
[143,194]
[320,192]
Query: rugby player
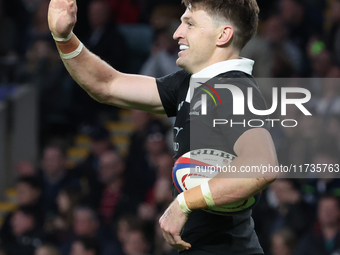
[210,37]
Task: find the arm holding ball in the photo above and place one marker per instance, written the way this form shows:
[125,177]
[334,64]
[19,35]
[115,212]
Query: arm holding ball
[253,148]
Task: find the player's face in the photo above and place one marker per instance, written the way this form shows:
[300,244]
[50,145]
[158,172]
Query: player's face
[196,37]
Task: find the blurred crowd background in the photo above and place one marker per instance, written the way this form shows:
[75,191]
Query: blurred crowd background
[103,175]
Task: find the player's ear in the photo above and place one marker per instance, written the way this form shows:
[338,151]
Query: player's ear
[225,36]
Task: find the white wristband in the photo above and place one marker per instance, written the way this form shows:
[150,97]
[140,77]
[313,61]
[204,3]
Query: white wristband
[58,39]
[207,194]
[72,54]
[182,204]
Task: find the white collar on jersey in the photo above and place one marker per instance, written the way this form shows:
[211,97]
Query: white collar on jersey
[241,64]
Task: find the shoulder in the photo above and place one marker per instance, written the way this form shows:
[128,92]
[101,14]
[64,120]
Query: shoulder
[174,84]
[239,78]
[236,82]
[178,77]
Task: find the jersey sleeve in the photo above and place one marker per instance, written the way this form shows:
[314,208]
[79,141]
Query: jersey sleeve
[238,124]
[169,88]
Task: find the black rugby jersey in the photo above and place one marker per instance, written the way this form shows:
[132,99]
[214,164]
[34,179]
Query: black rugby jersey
[209,233]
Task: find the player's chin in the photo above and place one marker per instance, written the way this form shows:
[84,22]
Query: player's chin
[182,64]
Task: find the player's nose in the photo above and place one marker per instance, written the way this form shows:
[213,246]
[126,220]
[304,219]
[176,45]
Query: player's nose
[179,33]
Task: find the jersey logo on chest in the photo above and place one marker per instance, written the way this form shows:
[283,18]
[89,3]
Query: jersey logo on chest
[178,130]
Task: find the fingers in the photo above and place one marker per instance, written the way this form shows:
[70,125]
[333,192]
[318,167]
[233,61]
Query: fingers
[62,16]
[74,2]
[168,237]
[72,7]
[179,242]
[171,223]
[175,240]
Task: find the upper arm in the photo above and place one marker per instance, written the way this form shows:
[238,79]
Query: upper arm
[253,148]
[147,93]
[135,92]
[256,145]
[109,86]
[256,141]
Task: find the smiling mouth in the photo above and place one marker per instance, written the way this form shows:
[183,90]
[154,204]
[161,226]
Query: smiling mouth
[183,47]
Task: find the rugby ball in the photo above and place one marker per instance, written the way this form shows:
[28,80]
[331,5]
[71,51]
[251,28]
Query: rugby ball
[199,166]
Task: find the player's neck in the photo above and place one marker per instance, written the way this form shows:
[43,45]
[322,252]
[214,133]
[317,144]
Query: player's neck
[215,60]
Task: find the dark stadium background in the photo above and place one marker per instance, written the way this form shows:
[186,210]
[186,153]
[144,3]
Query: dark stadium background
[73,171]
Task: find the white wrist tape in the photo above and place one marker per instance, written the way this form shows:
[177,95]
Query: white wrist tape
[182,204]
[72,54]
[207,194]
[58,39]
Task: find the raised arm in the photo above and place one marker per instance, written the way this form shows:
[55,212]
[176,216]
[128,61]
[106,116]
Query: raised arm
[95,76]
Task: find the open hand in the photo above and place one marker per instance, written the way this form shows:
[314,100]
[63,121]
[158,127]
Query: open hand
[62,16]
[172,222]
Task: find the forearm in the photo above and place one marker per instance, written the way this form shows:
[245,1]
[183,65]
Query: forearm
[229,190]
[226,190]
[89,71]
[107,85]
[93,74]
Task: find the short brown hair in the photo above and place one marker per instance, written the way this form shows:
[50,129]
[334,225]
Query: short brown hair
[242,13]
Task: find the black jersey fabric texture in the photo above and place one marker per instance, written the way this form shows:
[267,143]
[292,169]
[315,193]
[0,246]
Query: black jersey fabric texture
[210,233]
